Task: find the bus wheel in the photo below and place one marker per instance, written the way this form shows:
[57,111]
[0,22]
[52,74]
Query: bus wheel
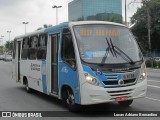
[28,89]
[125,103]
[69,100]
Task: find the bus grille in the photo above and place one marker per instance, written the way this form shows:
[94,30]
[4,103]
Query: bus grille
[115,94]
[112,81]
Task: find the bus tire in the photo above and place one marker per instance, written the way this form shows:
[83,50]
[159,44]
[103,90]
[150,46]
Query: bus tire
[28,89]
[69,100]
[125,103]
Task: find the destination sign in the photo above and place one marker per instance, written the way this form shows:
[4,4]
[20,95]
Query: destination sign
[99,32]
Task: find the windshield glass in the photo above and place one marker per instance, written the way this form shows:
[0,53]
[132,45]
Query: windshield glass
[97,41]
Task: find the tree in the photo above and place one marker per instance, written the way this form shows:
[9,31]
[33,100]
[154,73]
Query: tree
[80,18]
[9,45]
[139,19]
[1,49]
[44,26]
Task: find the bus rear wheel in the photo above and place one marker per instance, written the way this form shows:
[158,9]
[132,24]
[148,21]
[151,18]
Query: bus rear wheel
[69,100]
[28,89]
[125,103]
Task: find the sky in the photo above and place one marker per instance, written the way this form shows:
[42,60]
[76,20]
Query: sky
[37,13]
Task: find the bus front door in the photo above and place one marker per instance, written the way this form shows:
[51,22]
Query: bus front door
[54,63]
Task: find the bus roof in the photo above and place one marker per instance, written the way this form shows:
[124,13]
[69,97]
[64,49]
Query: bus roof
[44,30]
[95,22]
[66,24]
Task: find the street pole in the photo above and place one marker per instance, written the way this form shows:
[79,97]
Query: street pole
[2,42]
[56,16]
[149,28]
[9,38]
[146,2]
[25,23]
[2,39]
[125,14]
[56,7]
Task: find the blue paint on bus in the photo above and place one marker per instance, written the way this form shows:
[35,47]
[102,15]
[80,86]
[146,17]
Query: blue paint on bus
[44,83]
[101,77]
[68,76]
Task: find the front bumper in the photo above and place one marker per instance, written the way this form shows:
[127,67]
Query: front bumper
[91,94]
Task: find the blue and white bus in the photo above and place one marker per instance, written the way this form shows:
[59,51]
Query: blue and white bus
[82,63]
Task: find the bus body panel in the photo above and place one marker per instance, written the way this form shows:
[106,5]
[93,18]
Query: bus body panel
[68,76]
[91,94]
[36,74]
[96,94]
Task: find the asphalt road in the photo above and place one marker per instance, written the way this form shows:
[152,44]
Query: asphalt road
[13,97]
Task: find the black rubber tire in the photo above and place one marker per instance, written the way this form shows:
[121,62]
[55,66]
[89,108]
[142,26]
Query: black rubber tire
[125,103]
[69,101]
[28,89]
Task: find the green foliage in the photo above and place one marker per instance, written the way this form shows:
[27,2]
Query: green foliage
[149,63]
[44,26]
[158,64]
[80,19]
[9,45]
[1,49]
[154,63]
[139,19]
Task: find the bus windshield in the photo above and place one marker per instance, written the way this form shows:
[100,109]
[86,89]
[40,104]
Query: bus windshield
[106,44]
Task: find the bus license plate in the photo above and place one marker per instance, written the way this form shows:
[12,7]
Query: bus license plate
[122,98]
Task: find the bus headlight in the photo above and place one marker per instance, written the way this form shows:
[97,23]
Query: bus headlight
[91,80]
[143,73]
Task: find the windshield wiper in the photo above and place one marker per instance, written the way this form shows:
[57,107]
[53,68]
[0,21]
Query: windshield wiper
[109,48]
[115,50]
[105,56]
[120,52]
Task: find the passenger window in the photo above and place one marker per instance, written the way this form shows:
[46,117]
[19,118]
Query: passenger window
[25,47]
[42,47]
[33,48]
[68,54]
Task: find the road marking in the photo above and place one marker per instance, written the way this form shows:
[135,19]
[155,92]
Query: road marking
[153,86]
[153,81]
[152,99]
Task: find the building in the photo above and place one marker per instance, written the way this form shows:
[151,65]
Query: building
[94,9]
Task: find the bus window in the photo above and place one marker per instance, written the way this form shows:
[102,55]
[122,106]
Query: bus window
[25,48]
[42,47]
[68,54]
[33,48]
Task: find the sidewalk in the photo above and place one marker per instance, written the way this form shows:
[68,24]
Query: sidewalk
[152,69]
